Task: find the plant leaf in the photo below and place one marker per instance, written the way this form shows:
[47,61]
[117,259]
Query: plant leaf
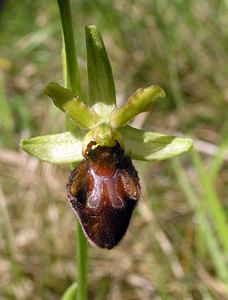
[140,101]
[101,83]
[70,293]
[83,116]
[152,146]
[59,148]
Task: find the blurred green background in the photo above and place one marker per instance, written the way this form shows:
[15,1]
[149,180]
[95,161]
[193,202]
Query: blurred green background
[177,243]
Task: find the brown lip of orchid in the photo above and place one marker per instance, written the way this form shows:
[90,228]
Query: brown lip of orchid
[104,188]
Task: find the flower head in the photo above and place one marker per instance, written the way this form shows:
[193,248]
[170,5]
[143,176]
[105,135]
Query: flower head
[104,187]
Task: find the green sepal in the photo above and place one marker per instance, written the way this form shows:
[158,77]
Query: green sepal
[101,83]
[70,293]
[83,116]
[59,148]
[140,101]
[152,146]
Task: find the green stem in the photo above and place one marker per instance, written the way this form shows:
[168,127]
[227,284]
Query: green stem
[73,83]
[81,264]
[73,77]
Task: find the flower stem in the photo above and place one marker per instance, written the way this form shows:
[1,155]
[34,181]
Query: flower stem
[81,264]
[72,70]
[72,79]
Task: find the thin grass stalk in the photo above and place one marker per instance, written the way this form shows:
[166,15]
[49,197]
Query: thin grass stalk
[6,228]
[167,41]
[5,114]
[72,81]
[212,202]
[204,226]
[218,160]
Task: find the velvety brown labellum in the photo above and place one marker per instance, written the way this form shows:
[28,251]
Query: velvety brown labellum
[103,190]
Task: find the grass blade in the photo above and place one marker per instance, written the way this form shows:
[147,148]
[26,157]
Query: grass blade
[204,226]
[212,202]
[70,293]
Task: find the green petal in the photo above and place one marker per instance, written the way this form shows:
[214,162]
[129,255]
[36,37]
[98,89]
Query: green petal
[101,83]
[56,148]
[82,115]
[152,146]
[140,101]
[59,94]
